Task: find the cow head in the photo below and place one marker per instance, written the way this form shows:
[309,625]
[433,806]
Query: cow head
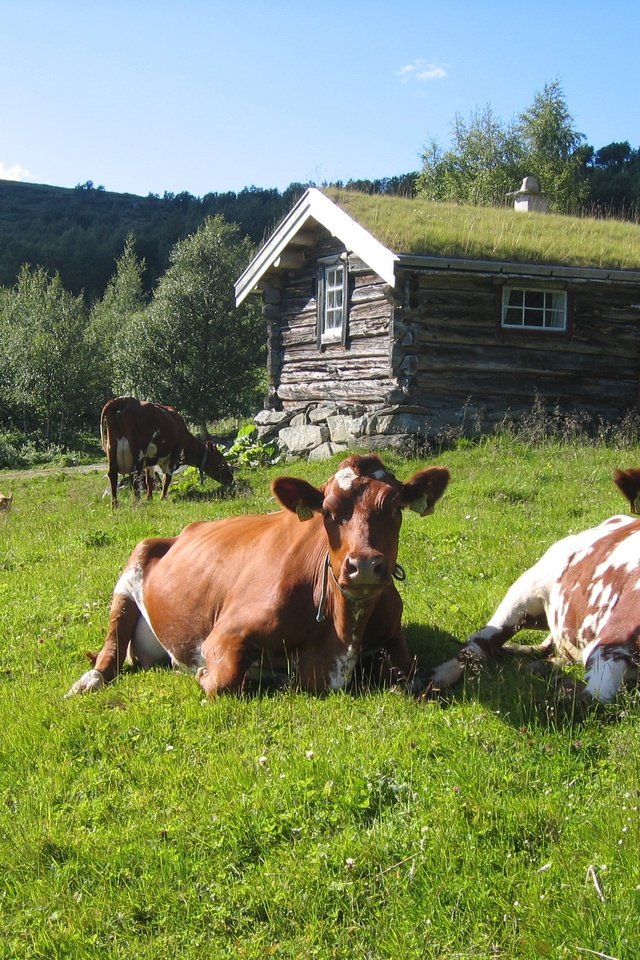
[215,465]
[628,483]
[361,507]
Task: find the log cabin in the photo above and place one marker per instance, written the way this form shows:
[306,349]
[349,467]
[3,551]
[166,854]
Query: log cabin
[392,317]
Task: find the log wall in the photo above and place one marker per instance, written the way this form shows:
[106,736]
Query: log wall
[300,371]
[456,351]
[435,344]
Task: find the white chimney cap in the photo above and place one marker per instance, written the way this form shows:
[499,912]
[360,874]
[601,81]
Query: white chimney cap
[530,184]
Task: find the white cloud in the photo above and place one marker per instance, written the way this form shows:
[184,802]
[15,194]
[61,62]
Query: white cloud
[421,71]
[14,172]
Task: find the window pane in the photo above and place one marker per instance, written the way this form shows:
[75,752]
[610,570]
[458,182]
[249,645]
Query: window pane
[534,298]
[514,297]
[513,316]
[333,317]
[534,318]
[535,309]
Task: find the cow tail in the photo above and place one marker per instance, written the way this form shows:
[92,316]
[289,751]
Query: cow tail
[103,431]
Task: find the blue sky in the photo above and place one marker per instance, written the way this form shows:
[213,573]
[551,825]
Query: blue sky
[147,97]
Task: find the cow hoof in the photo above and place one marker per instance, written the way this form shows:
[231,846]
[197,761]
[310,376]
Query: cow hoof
[89,682]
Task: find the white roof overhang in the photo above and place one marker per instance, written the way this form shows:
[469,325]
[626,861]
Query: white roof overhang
[314,205]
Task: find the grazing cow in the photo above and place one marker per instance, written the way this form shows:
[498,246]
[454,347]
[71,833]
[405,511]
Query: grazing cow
[628,483]
[5,502]
[584,590]
[136,435]
[308,588]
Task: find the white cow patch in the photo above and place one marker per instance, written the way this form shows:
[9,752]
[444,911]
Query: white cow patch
[450,672]
[343,668]
[146,645]
[604,674]
[151,451]
[625,555]
[89,682]
[124,457]
[345,477]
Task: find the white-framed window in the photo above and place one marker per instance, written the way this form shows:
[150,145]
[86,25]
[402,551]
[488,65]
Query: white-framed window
[534,309]
[332,303]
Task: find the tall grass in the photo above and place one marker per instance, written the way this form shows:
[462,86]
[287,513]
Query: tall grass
[145,823]
[409,225]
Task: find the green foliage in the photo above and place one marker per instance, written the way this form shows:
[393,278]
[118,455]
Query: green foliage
[248,451]
[194,349]
[613,176]
[551,148]
[142,823]
[114,317]
[488,159]
[46,353]
[79,233]
[480,168]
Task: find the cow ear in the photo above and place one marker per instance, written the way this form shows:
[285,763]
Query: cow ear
[298,496]
[424,489]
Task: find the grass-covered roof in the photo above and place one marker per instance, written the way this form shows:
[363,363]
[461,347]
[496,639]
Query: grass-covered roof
[423,227]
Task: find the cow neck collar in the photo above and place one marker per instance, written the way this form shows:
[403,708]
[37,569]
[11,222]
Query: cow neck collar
[358,602]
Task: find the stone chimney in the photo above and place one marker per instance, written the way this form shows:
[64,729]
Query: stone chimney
[529,198]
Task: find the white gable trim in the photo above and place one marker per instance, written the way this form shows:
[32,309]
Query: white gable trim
[314,204]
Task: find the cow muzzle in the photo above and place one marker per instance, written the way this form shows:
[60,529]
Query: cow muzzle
[364,572]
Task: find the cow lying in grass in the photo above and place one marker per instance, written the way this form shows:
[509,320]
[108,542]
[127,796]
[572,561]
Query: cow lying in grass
[586,591]
[309,587]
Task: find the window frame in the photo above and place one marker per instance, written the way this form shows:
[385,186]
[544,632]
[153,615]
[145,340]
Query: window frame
[544,310]
[336,333]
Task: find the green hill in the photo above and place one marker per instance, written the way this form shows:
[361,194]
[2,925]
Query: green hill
[80,232]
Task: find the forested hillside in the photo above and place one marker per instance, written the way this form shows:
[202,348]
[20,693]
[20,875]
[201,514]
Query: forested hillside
[79,233]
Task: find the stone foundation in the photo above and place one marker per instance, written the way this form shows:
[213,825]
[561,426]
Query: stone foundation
[317,431]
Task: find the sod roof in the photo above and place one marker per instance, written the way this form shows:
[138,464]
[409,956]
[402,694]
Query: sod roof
[423,227]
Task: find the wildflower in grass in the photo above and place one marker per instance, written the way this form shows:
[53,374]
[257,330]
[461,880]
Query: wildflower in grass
[263,760]
[309,754]
[349,863]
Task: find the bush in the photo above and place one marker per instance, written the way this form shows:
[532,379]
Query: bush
[9,456]
[248,451]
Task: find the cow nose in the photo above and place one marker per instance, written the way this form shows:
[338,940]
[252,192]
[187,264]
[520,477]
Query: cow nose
[365,568]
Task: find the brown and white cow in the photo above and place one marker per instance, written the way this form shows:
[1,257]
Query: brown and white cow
[137,434]
[306,590]
[586,591]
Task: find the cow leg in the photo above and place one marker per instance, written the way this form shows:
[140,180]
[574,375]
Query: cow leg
[148,481]
[385,655]
[122,623]
[522,608]
[226,664]
[113,480]
[166,480]
[137,482]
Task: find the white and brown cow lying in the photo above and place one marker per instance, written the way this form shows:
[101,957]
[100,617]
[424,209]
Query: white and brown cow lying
[586,591]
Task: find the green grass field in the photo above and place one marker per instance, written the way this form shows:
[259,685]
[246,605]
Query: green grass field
[142,822]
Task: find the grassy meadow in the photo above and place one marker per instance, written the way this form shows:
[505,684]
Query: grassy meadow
[142,822]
